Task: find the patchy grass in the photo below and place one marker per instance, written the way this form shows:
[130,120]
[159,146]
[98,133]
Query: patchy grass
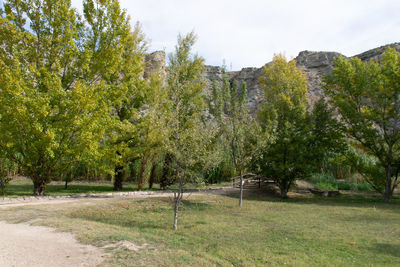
[24,187]
[213,231]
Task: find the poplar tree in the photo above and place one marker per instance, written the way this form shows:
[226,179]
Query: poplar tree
[67,82]
[238,131]
[189,138]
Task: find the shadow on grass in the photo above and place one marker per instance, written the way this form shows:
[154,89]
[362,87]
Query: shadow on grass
[365,200]
[18,190]
[193,205]
[160,212]
[388,249]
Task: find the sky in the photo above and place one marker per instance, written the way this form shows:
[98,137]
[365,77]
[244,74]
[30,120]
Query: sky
[247,33]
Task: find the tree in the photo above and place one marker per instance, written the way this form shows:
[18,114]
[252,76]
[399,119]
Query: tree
[283,115]
[117,61]
[49,116]
[366,95]
[68,80]
[151,130]
[238,130]
[189,139]
[326,139]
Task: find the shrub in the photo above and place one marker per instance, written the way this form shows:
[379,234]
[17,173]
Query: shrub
[4,180]
[327,181]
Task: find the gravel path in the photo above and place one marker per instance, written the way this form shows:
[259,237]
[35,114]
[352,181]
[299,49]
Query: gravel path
[26,245]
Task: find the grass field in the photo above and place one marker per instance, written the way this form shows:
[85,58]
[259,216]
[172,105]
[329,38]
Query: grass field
[213,231]
[21,186]
[24,187]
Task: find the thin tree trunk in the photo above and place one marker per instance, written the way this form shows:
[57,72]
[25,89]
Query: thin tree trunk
[388,184]
[152,174]
[178,197]
[142,176]
[241,189]
[164,178]
[68,178]
[118,178]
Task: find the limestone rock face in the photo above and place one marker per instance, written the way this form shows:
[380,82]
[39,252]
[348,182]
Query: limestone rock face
[376,53]
[314,65]
[155,63]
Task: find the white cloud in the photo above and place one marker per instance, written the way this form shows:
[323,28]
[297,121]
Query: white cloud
[248,33]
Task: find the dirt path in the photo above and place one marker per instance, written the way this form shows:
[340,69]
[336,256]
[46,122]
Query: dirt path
[28,201]
[25,245]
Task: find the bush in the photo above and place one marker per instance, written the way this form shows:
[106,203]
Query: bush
[326,181]
[4,180]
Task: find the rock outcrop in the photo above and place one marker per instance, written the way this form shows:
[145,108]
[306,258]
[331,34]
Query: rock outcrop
[314,65]
[155,63]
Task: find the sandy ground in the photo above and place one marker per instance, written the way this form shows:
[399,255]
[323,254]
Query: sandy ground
[25,245]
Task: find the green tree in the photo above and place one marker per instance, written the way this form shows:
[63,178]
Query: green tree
[117,62]
[70,81]
[237,129]
[49,118]
[283,115]
[326,139]
[189,139]
[366,95]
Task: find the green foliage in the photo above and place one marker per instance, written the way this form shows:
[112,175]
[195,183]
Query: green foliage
[189,134]
[221,173]
[4,179]
[286,156]
[366,95]
[56,116]
[326,136]
[238,132]
[326,181]
[70,81]
[190,142]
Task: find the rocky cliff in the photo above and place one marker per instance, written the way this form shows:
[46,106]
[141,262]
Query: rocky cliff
[314,65]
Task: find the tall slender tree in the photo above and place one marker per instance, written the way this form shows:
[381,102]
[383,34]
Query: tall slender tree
[189,137]
[237,129]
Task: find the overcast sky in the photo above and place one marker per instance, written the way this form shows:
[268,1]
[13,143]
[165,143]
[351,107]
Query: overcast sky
[247,33]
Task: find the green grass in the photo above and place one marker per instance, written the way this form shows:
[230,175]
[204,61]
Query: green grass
[213,231]
[24,187]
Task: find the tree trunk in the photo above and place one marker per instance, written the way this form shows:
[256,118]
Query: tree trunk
[241,189]
[284,191]
[164,178]
[68,178]
[118,178]
[388,185]
[177,198]
[142,176]
[152,174]
[38,188]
